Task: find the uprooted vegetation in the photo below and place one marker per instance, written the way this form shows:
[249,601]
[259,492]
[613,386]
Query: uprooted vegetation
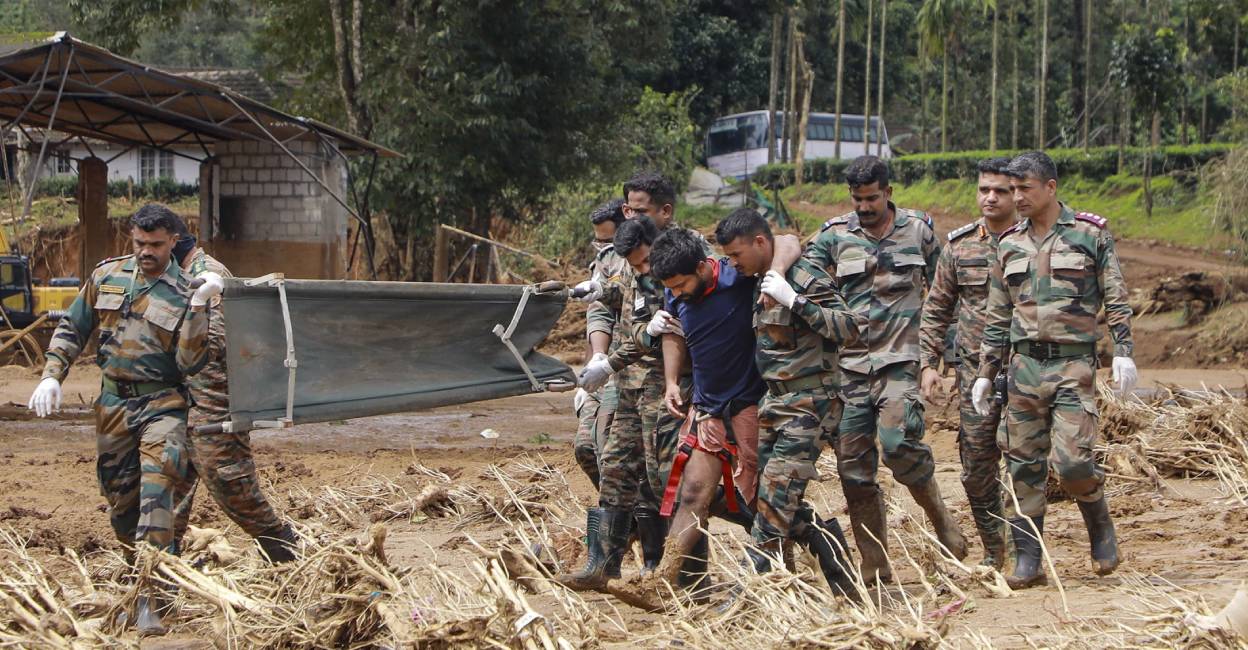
[346,591]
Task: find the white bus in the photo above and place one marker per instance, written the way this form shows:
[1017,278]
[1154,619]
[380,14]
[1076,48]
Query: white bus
[736,145]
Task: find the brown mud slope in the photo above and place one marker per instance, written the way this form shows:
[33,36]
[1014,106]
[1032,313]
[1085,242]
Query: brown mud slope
[1186,536]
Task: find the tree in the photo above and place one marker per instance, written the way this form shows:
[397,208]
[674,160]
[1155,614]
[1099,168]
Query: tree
[866,88]
[992,111]
[879,136]
[1042,74]
[937,32]
[1145,67]
[840,76]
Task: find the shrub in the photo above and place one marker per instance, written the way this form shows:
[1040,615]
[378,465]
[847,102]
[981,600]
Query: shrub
[1097,164]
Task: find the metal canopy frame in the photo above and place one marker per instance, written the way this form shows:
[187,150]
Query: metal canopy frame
[66,86]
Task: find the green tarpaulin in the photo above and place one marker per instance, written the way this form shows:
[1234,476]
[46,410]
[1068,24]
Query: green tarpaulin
[370,348]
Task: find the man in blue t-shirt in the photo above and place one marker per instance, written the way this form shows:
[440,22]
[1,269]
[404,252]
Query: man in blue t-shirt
[714,307]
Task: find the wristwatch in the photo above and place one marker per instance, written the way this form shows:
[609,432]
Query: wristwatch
[798,302]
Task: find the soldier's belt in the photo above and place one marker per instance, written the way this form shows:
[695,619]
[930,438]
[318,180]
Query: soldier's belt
[1044,351]
[808,382]
[132,389]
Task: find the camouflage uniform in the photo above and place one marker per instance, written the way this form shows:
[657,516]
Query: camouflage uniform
[149,341]
[598,411]
[641,446]
[959,294]
[797,358]
[223,459]
[1043,302]
[882,281]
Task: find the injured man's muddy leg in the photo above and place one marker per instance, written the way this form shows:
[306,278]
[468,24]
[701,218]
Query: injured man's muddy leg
[701,476]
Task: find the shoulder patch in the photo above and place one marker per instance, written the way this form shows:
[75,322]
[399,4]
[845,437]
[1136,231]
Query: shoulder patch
[801,276]
[113,259]
[835,221]
[604,251]
[1094,219]
[1017,227]
[970,227]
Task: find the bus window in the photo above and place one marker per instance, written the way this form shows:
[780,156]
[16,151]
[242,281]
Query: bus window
[737,134]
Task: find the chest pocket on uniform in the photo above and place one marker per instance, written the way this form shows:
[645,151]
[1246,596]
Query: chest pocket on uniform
[776,324]
[851,266]
[973,272]
[108,308]
[1069,273]
[164,320]
[1016,278]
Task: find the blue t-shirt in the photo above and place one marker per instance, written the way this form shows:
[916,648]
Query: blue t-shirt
[719,333]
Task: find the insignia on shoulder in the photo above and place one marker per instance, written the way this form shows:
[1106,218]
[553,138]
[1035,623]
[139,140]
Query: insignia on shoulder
[834,221]
[1094,219]
[962,231]
[112,259]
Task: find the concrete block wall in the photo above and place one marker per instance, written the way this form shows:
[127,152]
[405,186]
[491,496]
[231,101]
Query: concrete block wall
[271,199]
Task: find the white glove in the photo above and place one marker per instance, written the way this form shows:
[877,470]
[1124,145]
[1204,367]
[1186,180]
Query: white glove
[979,395]
[578,401]
[211,288]
[778,288]
[592,290]
[596,373]
[662,323]
[1125,373]
[46,399]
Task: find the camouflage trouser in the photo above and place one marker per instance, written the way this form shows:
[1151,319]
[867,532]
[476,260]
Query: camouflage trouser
[639,449]
[661,440]
[1052,408]
[225,463]
[886,402]
[142,457]
[980,455]
[794,428]
[594,420]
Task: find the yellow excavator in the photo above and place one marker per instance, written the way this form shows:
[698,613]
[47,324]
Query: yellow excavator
[26,307]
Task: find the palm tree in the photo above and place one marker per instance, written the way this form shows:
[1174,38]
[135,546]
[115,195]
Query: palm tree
[992,111]
[866,89]
[937,20]
[879,108]
[840,76]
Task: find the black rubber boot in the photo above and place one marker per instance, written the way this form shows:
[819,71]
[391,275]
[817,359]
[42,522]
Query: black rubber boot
[1102,536]
[1029,565]
[651,531]
[606,535]
[989,522]
[826,541]
[693,571]
[594,557]
[279,546]
[744,517]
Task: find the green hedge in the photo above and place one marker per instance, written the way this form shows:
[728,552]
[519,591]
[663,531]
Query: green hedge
[161,189]
[1097,164]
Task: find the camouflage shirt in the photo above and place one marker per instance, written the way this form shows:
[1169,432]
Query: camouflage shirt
[147,332]
[1051,291]
[603,314]
[210,387]
[792,344]
[637,354]
[882,281]
[959,290]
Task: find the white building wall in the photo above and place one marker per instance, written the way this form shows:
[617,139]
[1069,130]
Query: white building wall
[126,166]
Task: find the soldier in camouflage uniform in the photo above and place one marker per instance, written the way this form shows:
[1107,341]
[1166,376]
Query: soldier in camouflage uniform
[223,459]
[1055,270]
[882,258]
[798,340]
[596,410]
[959,294]
[153,334]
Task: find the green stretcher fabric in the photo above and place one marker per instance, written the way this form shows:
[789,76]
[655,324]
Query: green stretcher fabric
[370,348]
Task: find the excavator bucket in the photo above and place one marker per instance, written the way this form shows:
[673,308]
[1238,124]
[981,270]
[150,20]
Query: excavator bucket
[302,351]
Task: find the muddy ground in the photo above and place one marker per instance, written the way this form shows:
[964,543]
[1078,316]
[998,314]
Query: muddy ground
[1191,537]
